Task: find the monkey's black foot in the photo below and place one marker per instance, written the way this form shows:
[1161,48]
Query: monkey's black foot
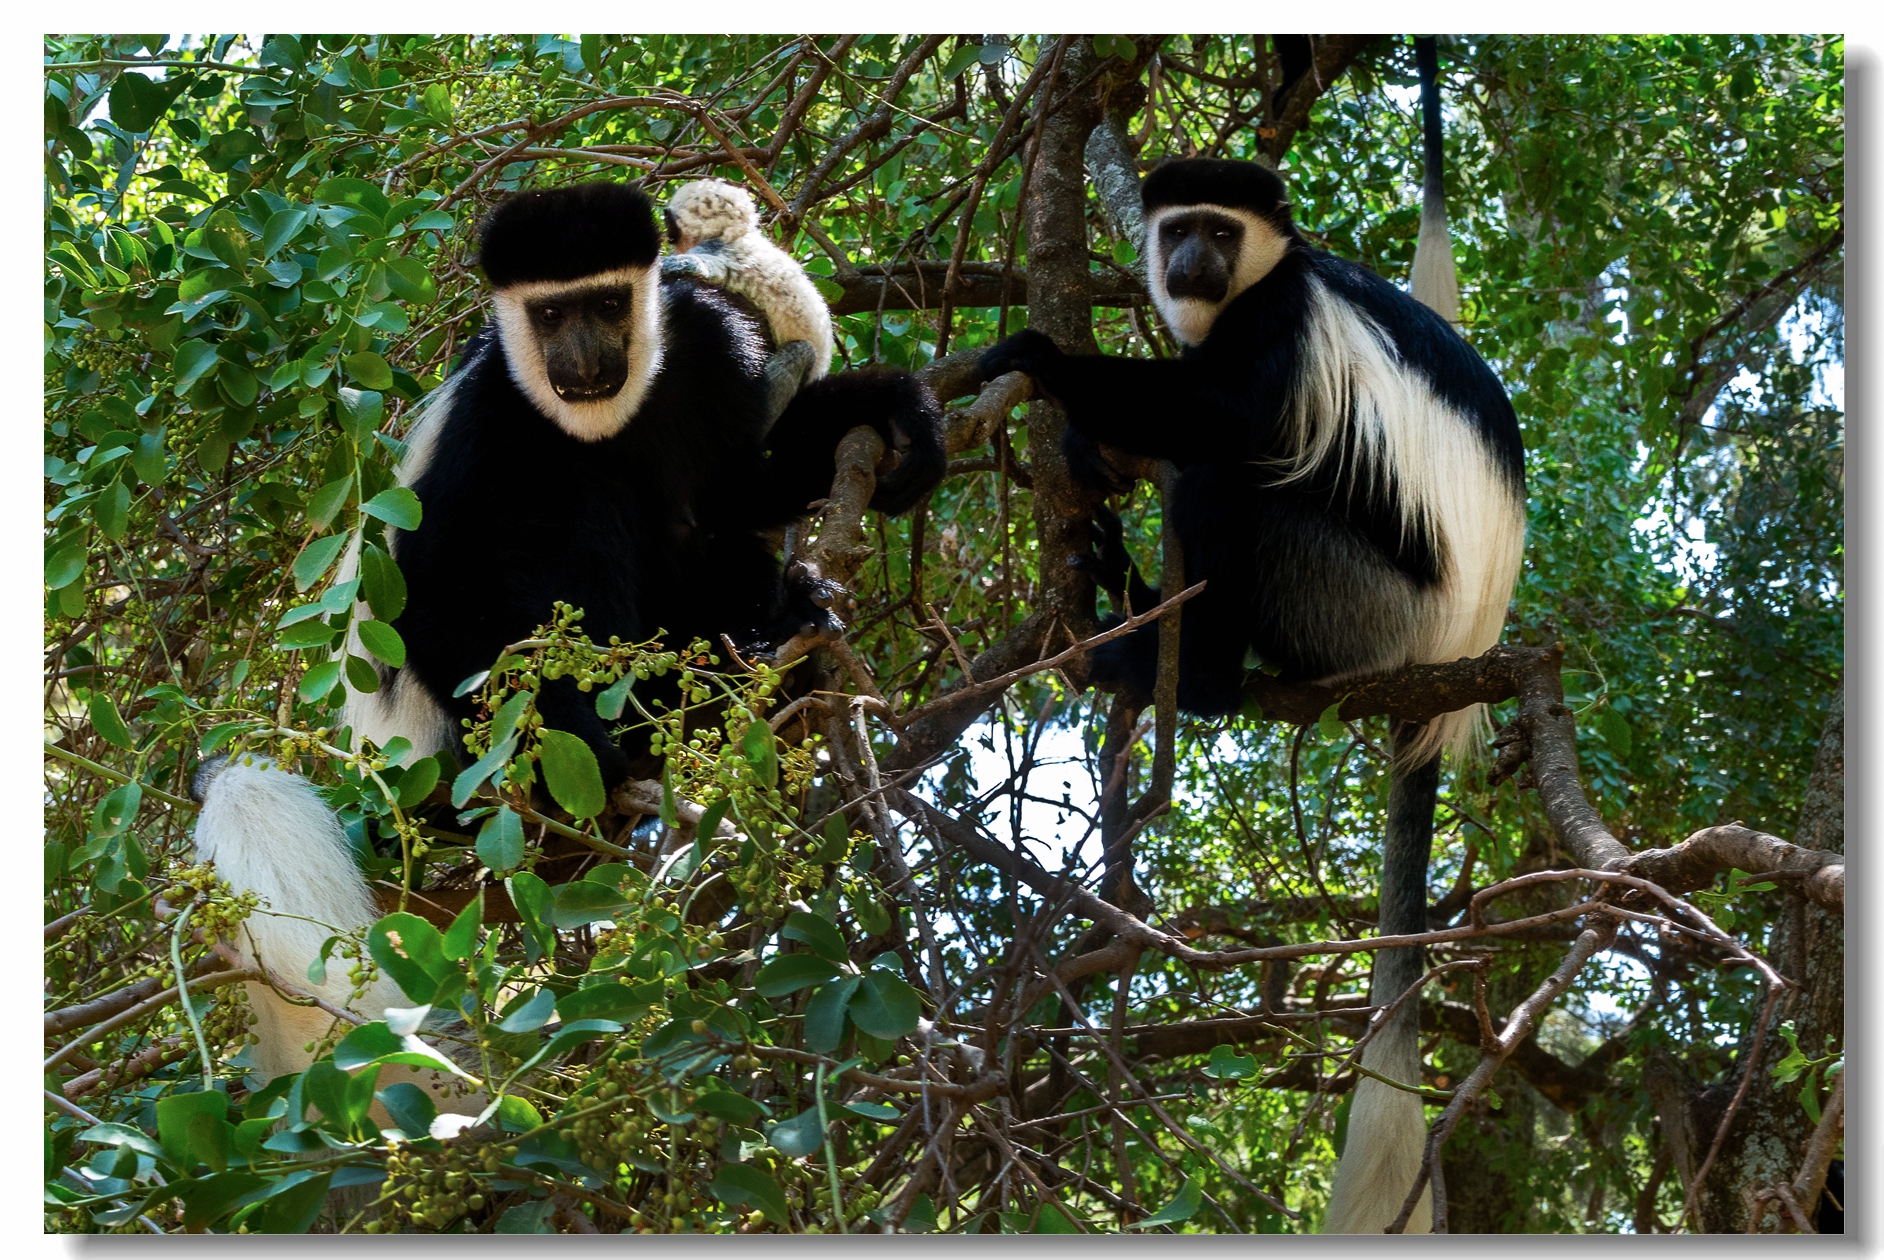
[814,604]
[1086,460]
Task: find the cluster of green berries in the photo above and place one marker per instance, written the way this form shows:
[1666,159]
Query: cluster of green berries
[429,1190]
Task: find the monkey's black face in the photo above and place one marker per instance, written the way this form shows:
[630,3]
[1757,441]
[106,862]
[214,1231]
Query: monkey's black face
[584,338]
[1200,250]
[673,227]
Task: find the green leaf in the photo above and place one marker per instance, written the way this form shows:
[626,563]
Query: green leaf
[461,938]
[790,973]
[360,675]
[746,1186]
[885,1006]
[319,682]
[822,935]
[410,950]
[761,749]
[136,102]
[189,362]
[1182,1208]
[315,559]
[224,236]
[410,1108]
[408,279]
[383,641]
[369,369]
[347,191]
[361,411]
[835,843]
[313,632]
[1226,1065]
[530,895]
[112,510]
[570,773]
[294,1210]
[381,583]
[417,782]
[500,840]
[398,507]
[106,721]
[67,562]
[1329,724]
[526,1218]
[1616,733]
[825,1014]
[527,1014]
[964,57]
[472,777]
[147,460]
[798,1136]
[325,503]
[206,1200]
[605,1001]
[610,703]
[282,227]
[174,1115]
[117,810]
[582,902]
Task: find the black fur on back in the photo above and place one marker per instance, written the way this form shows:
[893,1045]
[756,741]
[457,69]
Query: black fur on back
[568,233]
[660,527]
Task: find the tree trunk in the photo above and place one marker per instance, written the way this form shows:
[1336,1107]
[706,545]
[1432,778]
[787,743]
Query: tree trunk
[1768,1137]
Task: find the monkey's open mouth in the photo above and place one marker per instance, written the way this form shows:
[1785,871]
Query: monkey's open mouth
[586,393]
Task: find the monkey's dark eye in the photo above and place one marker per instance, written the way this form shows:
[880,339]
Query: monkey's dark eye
[1223,234]
[610,305]
[549,314]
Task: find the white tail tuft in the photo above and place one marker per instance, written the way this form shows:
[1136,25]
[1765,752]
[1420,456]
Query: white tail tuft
[270,833]
[1385,1142]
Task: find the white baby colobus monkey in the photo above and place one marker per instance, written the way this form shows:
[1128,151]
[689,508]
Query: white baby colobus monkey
[714,227]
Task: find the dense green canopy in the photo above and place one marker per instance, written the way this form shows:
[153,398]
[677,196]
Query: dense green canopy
[257,264]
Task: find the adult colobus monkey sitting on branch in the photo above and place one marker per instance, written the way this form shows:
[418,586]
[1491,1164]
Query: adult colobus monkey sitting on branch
[607,443]
[1351,486]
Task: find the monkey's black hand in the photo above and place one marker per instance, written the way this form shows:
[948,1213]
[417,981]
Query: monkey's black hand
[914,457]
[811,605]
[1111,563]
[1028,351]
[1086,460]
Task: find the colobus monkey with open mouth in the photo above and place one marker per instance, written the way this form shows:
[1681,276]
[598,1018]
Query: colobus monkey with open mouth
[607,443]
[1351,486]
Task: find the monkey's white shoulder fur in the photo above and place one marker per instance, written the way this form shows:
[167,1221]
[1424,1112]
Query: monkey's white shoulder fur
[715,226]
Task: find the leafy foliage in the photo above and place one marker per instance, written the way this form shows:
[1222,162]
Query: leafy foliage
[714,1013]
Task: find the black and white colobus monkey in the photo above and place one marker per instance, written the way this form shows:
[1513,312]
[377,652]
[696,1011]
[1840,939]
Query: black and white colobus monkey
[605,443]
[1351,486]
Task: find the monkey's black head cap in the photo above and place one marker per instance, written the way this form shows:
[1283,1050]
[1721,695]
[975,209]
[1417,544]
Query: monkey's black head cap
[1218,182]
[567,233]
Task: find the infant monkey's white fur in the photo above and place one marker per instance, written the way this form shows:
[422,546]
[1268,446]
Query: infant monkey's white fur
[715,227]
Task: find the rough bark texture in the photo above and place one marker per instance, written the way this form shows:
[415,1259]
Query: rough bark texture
[1768,1140]
[1059,304]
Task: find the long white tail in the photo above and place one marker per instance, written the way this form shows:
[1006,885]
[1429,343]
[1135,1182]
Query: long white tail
[1387,1126]
[1385,1141]
[269,832]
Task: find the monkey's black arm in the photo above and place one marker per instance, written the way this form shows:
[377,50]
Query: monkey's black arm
[799,449]
[1160,408]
